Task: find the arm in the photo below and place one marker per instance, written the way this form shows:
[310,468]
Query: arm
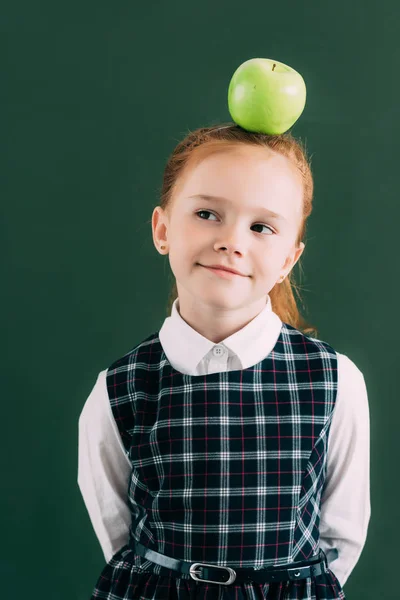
[103,471]
[345,502]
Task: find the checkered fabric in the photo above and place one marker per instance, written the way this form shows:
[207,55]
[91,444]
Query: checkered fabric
[227,468]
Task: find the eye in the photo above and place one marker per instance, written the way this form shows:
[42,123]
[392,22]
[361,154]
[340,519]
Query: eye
[255,225]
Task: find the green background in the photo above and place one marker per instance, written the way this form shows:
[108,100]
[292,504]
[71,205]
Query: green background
[94,97]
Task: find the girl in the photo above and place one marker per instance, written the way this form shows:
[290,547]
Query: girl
[227,454]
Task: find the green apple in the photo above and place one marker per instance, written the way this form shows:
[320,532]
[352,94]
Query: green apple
[266,96]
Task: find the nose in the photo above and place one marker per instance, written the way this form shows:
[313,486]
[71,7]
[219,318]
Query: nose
[231,240]
[231,248]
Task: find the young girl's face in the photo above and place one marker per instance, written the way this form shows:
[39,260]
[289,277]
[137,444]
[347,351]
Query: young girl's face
[234,227]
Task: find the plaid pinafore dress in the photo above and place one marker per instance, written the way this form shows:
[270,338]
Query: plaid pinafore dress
[228,468]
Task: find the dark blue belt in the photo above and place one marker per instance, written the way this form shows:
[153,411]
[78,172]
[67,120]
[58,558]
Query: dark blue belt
[225,575]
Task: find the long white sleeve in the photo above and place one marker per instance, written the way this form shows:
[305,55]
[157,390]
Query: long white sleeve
[345,502]
[103,471]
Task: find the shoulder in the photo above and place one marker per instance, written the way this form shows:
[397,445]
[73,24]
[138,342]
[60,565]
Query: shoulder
[95,414]
[309,343]
[346,365]
[350,376]
[351,417]
[348,369]
[352,389]
[136,354]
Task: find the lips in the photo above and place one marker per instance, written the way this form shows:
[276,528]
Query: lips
[222,268]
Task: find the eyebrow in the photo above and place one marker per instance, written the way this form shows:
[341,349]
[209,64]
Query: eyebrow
[258,209]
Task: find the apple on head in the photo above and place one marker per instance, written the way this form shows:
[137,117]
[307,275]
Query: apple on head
[266,96]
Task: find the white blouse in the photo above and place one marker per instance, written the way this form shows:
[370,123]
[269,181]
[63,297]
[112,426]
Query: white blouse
[104,468]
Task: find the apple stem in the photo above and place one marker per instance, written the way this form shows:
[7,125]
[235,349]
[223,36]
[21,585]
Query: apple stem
[274,66]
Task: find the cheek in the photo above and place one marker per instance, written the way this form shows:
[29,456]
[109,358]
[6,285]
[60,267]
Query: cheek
[193,233]
[187,237]
[269,256]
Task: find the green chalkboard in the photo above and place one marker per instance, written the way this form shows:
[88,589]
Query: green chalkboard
[94,98]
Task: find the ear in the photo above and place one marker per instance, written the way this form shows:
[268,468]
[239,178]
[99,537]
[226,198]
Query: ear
[158,225]
[298,253]
[293,257]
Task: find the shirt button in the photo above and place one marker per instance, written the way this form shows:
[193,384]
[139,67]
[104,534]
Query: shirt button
[218,350]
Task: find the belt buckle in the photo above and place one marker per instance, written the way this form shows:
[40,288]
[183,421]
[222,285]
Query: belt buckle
[193,573]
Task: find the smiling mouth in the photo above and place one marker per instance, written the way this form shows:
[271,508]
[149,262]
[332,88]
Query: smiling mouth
[216,270]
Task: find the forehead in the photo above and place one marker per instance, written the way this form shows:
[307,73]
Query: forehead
[257,176]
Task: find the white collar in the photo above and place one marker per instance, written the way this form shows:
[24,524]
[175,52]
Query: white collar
[185,347]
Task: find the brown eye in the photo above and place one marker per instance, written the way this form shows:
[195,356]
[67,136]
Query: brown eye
[262,225]
[256,225]
[204,211]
